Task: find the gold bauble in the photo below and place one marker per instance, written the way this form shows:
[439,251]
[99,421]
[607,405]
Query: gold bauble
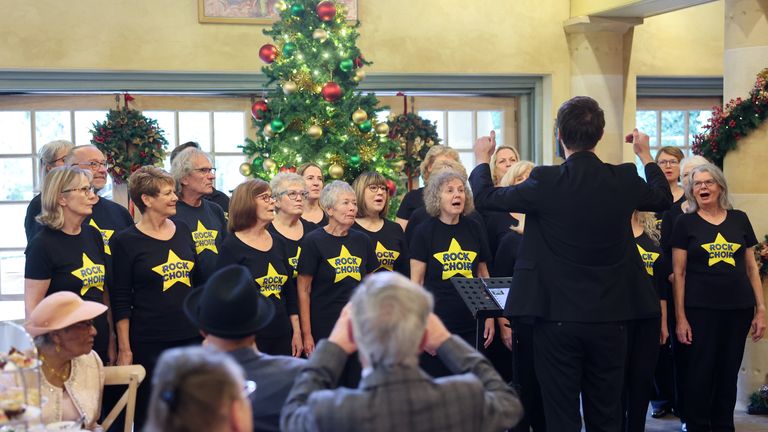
[268,132]
[269,164]
[359,116]
[359,75]
[336,171]
[320,35]
[315,131]
[382,129]
[245,169]
[279,6]
[399,165]
[289,87]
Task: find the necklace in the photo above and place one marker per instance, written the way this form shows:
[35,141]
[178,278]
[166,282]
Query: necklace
[55,373]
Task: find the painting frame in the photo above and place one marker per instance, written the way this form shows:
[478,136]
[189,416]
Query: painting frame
[257,12]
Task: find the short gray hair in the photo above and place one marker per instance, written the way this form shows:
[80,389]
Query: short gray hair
[724,200]
[331,192]
[389,315]
[71,153]
[47,153]
[435,184]
[692,161]
[182,165]
[281,181]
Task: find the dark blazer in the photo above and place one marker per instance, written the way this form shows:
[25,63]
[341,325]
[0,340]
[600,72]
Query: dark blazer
[578,261]
[402,398]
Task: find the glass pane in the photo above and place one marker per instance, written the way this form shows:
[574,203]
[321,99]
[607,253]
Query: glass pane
[488,121]
[468,160]
[11,310]
[228,131]
[460,129]
[438,118]
[697,120]
[646,123]
[12,216]
[167,122]
[52,125]
[15,137]
[228,172]
[195,126]
[12,272]
[17,183]
[673,128]
[84,121]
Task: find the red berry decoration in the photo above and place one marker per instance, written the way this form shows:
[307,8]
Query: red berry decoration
[391,187]
[268,53]
[359,61]
[292,169]
[332,91]
[326,10]
[258,109]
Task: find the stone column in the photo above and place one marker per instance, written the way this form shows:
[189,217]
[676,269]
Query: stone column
[597,53]
[746,54]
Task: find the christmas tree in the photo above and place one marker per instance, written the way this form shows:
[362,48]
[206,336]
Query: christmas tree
[311,111]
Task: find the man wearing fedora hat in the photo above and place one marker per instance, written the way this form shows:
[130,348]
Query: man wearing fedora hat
[228,310]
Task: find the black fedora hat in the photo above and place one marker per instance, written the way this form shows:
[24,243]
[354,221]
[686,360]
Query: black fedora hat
[229,305]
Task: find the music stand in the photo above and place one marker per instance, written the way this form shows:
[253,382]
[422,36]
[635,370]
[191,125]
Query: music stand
[484,297]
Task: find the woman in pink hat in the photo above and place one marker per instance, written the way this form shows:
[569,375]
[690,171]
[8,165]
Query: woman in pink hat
[73,376]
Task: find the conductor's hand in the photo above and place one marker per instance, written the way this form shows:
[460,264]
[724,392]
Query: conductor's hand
[484,148]
[341,334]
[641,146]
[437,334]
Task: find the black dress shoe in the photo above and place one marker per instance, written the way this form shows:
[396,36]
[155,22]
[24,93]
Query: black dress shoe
[659,413]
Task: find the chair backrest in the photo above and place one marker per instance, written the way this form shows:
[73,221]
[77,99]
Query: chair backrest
[131,376]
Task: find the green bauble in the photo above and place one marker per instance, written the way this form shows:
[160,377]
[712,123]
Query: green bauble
[297,9]
[256,164]
[346,65]
[278,125]
[354,161]
[364,127]
[289,49]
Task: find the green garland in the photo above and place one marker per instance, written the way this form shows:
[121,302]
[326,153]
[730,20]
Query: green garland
[736,120]
[416,136]
[129,141]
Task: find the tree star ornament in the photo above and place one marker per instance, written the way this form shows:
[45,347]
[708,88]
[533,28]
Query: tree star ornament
[320,35]
[326,10]
[359,116]
[268,53]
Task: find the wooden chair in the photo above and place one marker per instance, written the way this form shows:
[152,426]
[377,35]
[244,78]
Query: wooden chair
[131,376]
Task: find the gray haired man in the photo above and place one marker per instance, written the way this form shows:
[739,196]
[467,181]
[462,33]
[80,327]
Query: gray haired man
[389,321]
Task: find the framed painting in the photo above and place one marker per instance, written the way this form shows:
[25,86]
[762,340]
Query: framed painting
[251,11]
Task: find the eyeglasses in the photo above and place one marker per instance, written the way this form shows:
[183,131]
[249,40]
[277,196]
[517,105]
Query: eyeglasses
[53,162]
[668,162]
[375,188]
[707,183]
[205,171]
[294,195]
[266,197]
[248,388]
[85,190]
[93,165]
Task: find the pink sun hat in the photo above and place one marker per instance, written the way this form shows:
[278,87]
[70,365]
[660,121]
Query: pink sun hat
[60,310]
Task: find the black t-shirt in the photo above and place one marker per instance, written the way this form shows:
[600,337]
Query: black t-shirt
[151,280]
[32,226]
[272,273]
[506,255]
[337,265]
[391,250]
[650,251]
[716,272]
[450,251]
[420,215]
[219,198]
[109,218]
[497,225]
[74,263]
[293,247]
[209,228]
[411,201]
[323,222]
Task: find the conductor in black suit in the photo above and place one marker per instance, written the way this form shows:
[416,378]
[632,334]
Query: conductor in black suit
[578,275]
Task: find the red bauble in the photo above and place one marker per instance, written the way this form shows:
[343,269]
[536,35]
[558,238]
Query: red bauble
[258,109]
[391,187]
[283,169]
[359,61]
[292,169]
[268,53]
[326,10]
[332,91]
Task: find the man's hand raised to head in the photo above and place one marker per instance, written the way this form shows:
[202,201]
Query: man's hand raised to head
[437,334]
[484,148]
[341,334]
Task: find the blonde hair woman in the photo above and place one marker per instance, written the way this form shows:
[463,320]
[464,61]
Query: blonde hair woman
[501,160]
[313,176]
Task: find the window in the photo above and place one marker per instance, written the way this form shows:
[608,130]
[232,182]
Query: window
[220,125]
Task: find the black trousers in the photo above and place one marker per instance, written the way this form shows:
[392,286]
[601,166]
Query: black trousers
[525,379]
[275,345]
[147,354]
[642,354]
[715,357]
[581,358]
[680,353]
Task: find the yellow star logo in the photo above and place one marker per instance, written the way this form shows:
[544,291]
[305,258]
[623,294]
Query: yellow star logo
[294,262]
[91,274]
[204,239]
[721,250]
[272,282]
[105,235]
[346,265]
[174,270]
[456,261]
[386,257]
[648,259]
